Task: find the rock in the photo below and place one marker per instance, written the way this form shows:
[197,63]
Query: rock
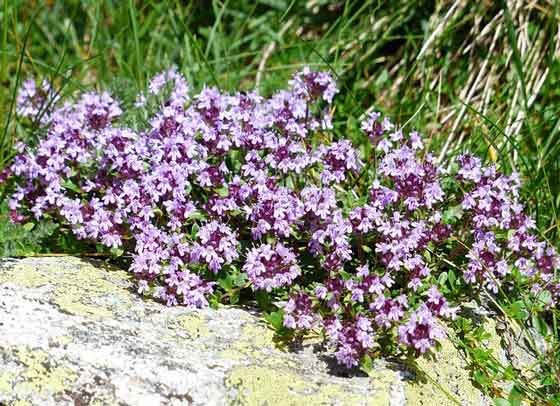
[74,332]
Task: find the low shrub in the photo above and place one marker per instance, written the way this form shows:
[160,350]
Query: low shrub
[217,195]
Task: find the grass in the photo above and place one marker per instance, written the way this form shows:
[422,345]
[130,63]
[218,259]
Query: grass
[481,76]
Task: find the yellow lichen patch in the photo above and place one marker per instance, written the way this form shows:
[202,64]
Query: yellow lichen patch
[62,340]
[232,355]
[6,382]
[24,276]
[39,377]
[70,304]
[452,378]
[194,324]
[75,286]
[258,385]
[493,342]
[258,336]
[22,403]
[256,342]
[380,383]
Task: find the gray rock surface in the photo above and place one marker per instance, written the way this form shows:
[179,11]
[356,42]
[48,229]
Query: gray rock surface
[74,332]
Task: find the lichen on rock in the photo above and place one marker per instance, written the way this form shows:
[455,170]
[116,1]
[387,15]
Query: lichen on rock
[75,332]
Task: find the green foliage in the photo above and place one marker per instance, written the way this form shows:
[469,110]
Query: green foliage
[21,240]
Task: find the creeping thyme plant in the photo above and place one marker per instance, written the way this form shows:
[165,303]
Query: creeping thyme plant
[219,195]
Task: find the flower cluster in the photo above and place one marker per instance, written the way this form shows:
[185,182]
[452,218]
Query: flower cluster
[271,267]
[34,101]
[218,245]
[504,236]
[216,184]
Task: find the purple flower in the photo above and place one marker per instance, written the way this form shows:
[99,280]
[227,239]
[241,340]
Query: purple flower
[298,312]
[270,267]
[421,331]
[217,247]
[313,85]
[32,99]
[339,159]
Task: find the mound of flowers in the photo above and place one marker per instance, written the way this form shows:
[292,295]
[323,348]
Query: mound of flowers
[215,194]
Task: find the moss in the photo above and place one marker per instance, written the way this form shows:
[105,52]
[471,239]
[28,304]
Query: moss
[38,377]
[76,286]
[257,385]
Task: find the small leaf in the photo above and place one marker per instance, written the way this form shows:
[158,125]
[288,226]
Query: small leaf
[518,311]
[544,299]
[442,278]
[116,252]
[196,215]
[263,299]
[276,319]
[540,325]
[452,214]
[194,231]
[28,226]
[226,283]
[515,396]
[239,279]
[451,277]
[366,364]
[234,297]
[481,378]
[68,184]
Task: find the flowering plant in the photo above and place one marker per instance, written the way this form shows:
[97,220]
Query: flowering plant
[220,193]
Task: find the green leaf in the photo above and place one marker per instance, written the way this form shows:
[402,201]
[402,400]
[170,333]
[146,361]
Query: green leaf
[501,402]
[442,278]
[451,277]
[239,279]
[226,282]
[263,299]
[196,215]
[515,396]
[452,214]
[481,378]
[68,184]
[116,252]
[194,231]
[539,324]
[28,226]
[366,364]
[276,319]
[544,299]
[234,297]
[366,249]
[518,311]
